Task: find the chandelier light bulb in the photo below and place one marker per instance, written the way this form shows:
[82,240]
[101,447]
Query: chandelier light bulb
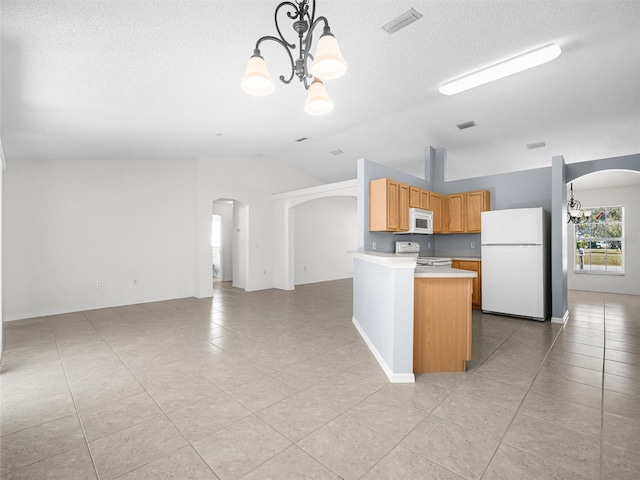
[328,62]
[318,101]
[256,79]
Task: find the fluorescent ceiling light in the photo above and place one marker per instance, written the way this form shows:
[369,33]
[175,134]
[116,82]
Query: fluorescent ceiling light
[398,23]
[503,69]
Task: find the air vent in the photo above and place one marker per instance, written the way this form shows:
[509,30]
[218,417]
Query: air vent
[402,21]
[531,146]
[464,125]
[301,139]
[336,152]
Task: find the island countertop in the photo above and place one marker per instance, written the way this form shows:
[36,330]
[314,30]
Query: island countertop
[443,272]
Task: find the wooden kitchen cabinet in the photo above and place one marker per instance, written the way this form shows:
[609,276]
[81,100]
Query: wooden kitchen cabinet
[464,210]
[388,206]
[403,206]
[435,205]
[414,197]
[476,203]
[474,266]
[424,200]
[442,324]
[456,207]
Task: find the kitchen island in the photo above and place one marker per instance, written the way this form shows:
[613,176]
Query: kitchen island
[389,290]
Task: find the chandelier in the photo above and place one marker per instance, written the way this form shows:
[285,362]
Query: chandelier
[574,209]
[327,63]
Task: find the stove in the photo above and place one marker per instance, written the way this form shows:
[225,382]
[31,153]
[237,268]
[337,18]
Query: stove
[434,261]
[413,249]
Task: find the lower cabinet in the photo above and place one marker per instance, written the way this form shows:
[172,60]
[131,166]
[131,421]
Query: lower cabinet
[474,266]
[441,324]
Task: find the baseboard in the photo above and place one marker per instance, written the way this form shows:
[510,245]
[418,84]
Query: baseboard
[393,377]
[562,320]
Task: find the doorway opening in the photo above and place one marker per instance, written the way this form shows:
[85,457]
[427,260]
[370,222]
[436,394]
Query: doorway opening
[216,233]
[229,242]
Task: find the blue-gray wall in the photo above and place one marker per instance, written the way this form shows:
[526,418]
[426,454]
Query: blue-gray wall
[524,189]
[385,241]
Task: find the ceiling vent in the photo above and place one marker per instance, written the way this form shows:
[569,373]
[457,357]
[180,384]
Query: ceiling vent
[464,125]
[301,139]
[531,146]
[336,152]
[402,21]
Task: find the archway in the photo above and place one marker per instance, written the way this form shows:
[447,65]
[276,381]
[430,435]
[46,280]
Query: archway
[323,230]
[234,228]
[561,175]
[603,246]
[284,225]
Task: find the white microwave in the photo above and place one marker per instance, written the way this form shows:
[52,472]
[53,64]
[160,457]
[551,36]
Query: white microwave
[420,222]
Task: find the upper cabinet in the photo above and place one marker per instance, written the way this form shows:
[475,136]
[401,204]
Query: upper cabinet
[457,212]
[390,200]
[435,205]
[403,205]
[476,203]
[414,197]
[464,210]
[388,206]
[424,199]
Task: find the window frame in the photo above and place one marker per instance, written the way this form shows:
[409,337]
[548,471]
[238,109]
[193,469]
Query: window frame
[592,239]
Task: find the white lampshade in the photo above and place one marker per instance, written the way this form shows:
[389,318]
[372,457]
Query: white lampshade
[256,79]
[328,62]
[318,102]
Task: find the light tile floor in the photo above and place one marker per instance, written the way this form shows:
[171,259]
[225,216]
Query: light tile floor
[278,385]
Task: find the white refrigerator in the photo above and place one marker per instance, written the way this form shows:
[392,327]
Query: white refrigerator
[514,253]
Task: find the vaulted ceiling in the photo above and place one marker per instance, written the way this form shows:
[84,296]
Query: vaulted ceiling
[160,79]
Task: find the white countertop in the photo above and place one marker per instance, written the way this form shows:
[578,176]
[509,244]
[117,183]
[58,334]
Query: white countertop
[477,259]
[390,260]
[443,272]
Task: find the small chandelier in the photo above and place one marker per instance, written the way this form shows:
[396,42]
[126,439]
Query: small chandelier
[574,209]
[327,63]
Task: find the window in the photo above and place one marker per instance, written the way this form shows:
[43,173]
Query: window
[598,241]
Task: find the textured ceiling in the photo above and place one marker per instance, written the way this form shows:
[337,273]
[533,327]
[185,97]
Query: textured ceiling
[160,79]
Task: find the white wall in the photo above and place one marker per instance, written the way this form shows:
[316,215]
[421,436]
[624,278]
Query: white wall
[69,224]
[2,165]
[324,231]
[251,181]
[629,283]
[225,210]
[284,227]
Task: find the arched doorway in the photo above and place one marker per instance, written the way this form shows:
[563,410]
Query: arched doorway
[324,230]
[229,256]
[561,175]
[603,251]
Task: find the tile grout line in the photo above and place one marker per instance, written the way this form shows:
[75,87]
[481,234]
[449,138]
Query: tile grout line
[164,413]
[604,355]
[520,406]
[73,398]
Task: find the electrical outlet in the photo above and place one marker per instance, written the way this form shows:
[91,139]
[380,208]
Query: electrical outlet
[98,284]
[135,281]
[374,245]
[473,244]
[428,244]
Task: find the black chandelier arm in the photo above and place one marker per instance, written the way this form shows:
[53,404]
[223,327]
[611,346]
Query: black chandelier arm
[295,15]
[306,53]
[285,46]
